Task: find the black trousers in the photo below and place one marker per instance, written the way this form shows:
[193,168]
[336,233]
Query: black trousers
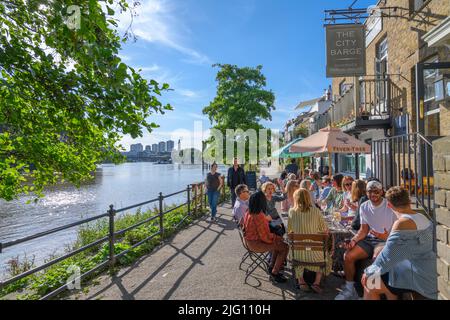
[233,197]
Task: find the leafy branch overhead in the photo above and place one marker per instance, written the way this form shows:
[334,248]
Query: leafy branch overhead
[66,96]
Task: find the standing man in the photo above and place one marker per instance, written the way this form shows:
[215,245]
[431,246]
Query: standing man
[292,167]
[213,186]
[235,177]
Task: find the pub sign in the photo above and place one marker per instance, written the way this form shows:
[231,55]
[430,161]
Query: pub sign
[346,50]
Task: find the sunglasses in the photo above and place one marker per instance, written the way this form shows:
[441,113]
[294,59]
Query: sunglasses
[347,184]
[374,191]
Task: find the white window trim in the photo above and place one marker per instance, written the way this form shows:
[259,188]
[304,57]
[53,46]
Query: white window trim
[431,112]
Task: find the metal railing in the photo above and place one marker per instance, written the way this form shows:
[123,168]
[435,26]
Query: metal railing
[196,200]
[407,161]
[321,121]
[377,98]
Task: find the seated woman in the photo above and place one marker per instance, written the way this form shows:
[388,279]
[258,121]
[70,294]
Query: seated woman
[268,189]
[407,263]
[347,187]
[259,238]
[291,187]
[351,201]
[305,218]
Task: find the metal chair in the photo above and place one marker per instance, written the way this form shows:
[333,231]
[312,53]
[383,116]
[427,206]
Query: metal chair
[308,242]
[257,259]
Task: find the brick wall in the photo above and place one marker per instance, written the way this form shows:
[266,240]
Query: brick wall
[441,164]
[406,49]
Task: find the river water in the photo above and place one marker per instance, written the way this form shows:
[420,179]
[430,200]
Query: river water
[120,185]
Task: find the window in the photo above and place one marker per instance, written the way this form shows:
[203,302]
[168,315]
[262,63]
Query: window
[382,49]
[430,76]
[416,5]
[343,87]
[381,70]
[348,163]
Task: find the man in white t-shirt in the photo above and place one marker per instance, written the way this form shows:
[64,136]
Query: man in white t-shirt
[376,223]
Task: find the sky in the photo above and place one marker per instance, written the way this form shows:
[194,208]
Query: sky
[178,41]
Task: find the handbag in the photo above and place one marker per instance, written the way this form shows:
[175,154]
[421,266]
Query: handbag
[278,229]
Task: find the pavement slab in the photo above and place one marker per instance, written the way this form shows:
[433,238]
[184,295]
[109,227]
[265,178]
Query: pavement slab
[200,262]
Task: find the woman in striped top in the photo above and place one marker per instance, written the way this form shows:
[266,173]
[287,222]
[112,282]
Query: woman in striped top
[305,218]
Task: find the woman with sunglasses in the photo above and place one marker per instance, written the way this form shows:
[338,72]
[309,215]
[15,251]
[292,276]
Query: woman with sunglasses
[348,208]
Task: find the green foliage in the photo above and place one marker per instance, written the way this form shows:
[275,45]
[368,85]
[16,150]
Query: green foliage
[66,96]
[241,101]
[301,131]
[35,286]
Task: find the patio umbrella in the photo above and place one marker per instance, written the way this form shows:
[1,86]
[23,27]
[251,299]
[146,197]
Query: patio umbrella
[285,153]
[330,140]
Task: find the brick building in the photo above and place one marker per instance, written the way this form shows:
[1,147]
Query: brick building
[396,42]
[402,107]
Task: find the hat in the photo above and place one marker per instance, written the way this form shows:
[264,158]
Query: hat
[374,185]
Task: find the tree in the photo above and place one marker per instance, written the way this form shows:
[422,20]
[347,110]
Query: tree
[241,101]
[66,98]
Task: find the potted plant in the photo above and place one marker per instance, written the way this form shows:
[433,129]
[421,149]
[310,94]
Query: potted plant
[364,114]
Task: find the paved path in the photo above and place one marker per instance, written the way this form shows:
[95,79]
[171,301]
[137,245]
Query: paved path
[200,262]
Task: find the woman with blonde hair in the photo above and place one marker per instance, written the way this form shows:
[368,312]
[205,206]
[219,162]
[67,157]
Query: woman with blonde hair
[346,210]
[358,192]
[291,187]
[305,218]
[269,189]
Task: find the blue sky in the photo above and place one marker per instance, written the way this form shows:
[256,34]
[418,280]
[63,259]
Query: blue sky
[179,40]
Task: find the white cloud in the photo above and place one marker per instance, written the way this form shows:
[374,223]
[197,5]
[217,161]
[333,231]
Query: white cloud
[156,22]
[187,93]
[151,68]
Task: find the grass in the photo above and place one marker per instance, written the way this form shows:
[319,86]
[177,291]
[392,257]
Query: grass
[40,284]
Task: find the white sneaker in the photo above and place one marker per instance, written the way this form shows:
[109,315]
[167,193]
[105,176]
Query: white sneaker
[347,294]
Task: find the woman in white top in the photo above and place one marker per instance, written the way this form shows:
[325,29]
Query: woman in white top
[291,187]
[407,262]
[358,190]
[347,187]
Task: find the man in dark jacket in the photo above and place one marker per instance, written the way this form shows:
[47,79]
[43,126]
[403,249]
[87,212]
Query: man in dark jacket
[292,167]
[235,177]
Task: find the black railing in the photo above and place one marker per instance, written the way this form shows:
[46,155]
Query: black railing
[407,161]
[377,98]
[196,200]
[320,121]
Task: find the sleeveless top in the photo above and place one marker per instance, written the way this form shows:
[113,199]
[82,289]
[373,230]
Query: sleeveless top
[419,219]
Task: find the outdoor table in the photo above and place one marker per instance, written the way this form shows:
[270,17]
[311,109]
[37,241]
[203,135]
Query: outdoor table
[338,233]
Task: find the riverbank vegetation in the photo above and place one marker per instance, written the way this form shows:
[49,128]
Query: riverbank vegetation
[40,284]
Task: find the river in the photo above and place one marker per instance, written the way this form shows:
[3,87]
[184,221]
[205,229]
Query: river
[121,185]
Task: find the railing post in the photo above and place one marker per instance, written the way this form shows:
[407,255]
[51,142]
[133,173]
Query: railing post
[388,95]
[189,198]
[1,247]
[161,214]
[195,189]
[356,96]
[201,199]
[112,256]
